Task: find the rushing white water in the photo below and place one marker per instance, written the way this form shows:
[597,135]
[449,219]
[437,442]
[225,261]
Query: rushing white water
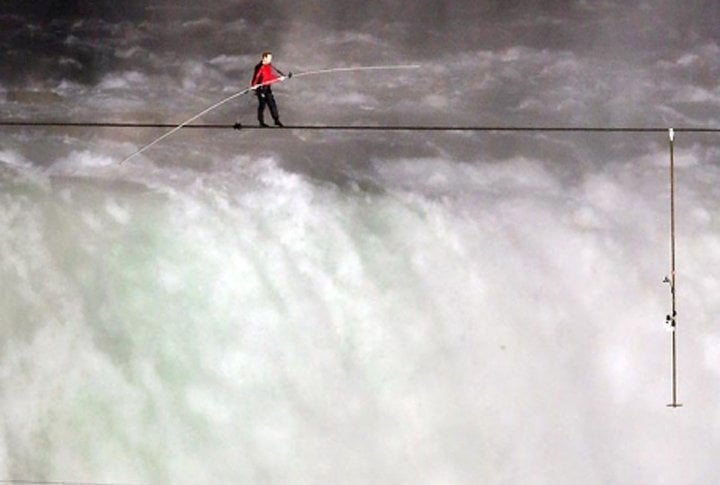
[313,307]
[434,322]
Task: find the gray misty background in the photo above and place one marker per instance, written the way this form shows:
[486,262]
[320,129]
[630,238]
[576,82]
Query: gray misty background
[286,306]
[492,63]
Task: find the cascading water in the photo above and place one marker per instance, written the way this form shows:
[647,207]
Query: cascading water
[345,306]
[433,321]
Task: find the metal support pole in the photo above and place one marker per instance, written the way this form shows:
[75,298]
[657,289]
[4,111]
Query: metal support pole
[671,319]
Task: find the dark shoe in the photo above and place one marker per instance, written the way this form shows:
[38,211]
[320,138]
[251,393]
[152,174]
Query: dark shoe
[263,125]
[277,123]
[237,126]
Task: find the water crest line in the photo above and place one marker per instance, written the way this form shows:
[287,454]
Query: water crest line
[45,482]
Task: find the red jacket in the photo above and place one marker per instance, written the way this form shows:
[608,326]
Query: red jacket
[265,74]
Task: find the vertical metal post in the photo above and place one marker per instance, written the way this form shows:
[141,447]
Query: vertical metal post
[671,319]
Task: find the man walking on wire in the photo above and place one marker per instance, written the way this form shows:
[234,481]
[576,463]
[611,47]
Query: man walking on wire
[266,75]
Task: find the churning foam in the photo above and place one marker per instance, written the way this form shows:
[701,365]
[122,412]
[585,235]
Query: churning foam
[457,323]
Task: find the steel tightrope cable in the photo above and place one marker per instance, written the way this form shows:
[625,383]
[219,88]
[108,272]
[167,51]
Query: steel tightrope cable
[343,127]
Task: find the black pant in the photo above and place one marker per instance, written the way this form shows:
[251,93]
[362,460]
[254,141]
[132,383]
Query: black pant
[265,97]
